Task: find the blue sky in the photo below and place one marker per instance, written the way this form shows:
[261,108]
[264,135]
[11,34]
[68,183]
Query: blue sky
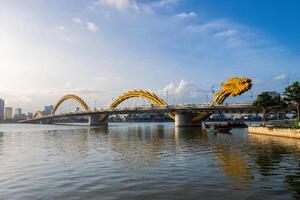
[101,48]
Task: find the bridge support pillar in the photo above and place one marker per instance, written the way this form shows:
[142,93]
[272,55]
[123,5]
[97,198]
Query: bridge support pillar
[185,120]
[94,121]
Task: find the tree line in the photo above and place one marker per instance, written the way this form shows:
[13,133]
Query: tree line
[291,98]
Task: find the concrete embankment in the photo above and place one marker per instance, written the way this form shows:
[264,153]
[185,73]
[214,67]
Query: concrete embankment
[281,132]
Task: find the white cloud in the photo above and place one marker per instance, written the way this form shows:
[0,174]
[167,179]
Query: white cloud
[122,5]
[234,36]
[226,33]
[167,2]
[91,27]
[119,4]
[173,88]
[34,99]
[77,20]
[187,15]
[157,5]
[211,26]
[62,33]
[183,91]
[170,51]
[61,28]
[280,77]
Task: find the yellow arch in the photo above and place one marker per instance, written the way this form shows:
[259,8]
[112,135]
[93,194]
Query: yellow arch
[72,97]
[142,94]
[233,87]
[38,114]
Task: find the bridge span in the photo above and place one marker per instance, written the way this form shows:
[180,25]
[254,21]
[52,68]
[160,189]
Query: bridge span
[183,115]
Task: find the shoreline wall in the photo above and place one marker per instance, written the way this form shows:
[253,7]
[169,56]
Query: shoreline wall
[280,132]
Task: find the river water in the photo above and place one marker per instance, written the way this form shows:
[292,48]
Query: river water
[144,161]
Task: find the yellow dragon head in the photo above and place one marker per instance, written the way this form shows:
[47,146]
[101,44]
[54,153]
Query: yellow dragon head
[233,87]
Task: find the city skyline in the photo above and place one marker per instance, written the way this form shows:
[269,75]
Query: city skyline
[100,49]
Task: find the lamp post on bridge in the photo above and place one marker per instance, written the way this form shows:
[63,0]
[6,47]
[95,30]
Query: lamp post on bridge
[95,105]
[167,97]
[213,93]
[251,96]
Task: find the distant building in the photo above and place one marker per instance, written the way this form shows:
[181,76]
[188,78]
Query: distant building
[273,94]
[18,114]
[48,110]
[1,109]
[18,111]
[29,115]
[8,113]
[20,117]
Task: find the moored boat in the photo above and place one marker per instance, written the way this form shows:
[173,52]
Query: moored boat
[219,128]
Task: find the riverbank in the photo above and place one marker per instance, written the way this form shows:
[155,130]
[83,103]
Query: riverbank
[281,132]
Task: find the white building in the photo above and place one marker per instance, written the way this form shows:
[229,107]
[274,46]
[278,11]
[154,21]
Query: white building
[8,113]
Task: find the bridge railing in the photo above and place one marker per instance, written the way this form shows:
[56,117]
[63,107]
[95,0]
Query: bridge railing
[180,106]
[152,107]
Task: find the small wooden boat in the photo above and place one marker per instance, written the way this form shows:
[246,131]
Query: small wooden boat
[219,128]
[237,124]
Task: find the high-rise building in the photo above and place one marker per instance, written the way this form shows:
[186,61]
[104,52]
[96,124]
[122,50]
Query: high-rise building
[1,109]
[48,110]
[19,115]
[8,113]
[18,111]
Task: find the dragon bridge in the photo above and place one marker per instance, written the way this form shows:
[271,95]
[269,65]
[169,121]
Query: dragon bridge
[72,97]
[38,114]
[232,87]
[150,96]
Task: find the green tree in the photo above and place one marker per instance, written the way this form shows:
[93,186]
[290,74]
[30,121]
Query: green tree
[292,96]
[264,100]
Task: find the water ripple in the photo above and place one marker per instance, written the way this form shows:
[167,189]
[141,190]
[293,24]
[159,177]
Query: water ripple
[144,161]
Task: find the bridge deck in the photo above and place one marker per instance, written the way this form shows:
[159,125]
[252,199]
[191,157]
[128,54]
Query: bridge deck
[237,108]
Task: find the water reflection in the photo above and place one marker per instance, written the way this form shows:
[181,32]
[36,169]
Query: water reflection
[147,161]
[71,144]
[145,145]
[75,143]
[190,133]
[278,156]
[1,143]
[141,145]
[270,152]
[231,160]
[234,164]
